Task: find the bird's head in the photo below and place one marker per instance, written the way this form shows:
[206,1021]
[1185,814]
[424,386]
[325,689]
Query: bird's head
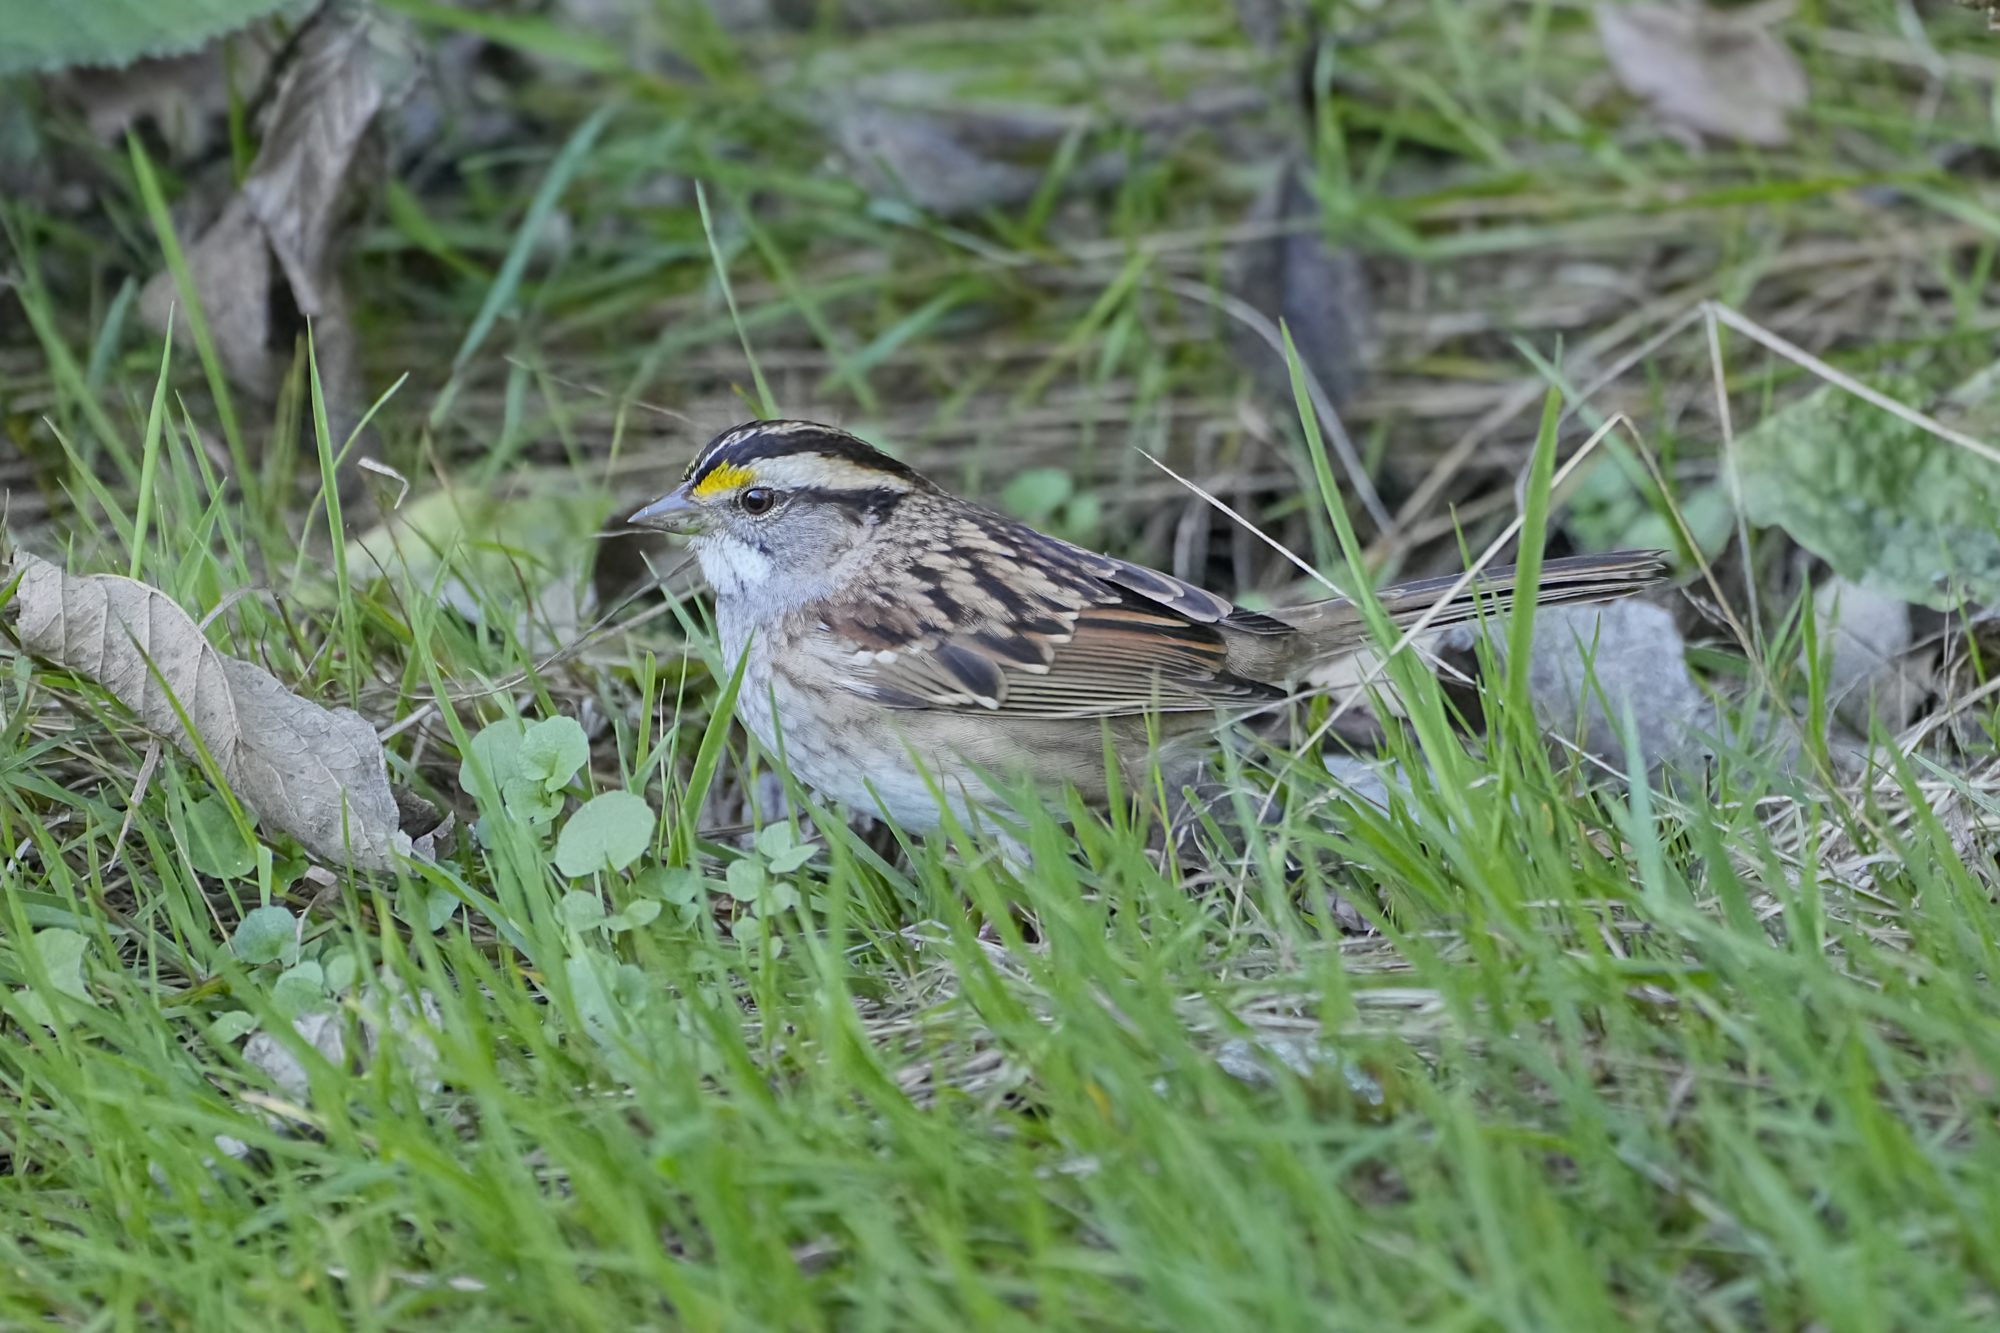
[778,504]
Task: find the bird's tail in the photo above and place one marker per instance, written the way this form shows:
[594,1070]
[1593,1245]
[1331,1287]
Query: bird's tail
[1336,627]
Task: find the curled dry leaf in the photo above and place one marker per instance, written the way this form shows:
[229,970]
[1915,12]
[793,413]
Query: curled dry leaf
[316,773]
[275,246]
[1725,75]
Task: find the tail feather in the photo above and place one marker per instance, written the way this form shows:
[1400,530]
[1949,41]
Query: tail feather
[1336,627]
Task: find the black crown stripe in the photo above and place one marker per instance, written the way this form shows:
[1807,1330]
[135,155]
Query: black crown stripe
[786,439]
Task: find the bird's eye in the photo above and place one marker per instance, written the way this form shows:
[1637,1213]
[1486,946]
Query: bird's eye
[757,501]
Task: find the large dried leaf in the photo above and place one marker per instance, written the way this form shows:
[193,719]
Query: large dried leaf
[1725,75]
[351,66]
[275,247]
[315,773]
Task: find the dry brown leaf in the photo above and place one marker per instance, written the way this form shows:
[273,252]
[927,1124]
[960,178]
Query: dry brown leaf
[232,270]
[276,245]
[315,773]
[1723,75]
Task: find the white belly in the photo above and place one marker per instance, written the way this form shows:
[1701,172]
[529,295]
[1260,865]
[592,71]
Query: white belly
[847,750]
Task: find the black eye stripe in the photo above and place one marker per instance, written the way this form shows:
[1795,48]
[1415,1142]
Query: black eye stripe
[872,503]
[869,504]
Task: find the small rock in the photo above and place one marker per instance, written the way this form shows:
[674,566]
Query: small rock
[1256,1061]
[321,1031]
[1595,663]
[1871,673]
[1367,780]
[388,1007]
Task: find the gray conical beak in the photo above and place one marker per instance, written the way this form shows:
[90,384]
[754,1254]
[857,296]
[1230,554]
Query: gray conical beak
[672,512]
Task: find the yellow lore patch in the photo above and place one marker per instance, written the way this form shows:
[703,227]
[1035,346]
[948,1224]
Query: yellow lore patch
[724,478]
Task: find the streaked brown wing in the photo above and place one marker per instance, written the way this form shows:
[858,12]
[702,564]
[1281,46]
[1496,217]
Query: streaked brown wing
[1196,604]
[1016,622]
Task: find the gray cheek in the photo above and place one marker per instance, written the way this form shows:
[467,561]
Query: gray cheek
[769,565]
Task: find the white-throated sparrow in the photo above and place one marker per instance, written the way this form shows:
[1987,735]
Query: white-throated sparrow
[903,643]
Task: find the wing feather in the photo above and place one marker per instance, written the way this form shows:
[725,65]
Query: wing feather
[1007,620]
